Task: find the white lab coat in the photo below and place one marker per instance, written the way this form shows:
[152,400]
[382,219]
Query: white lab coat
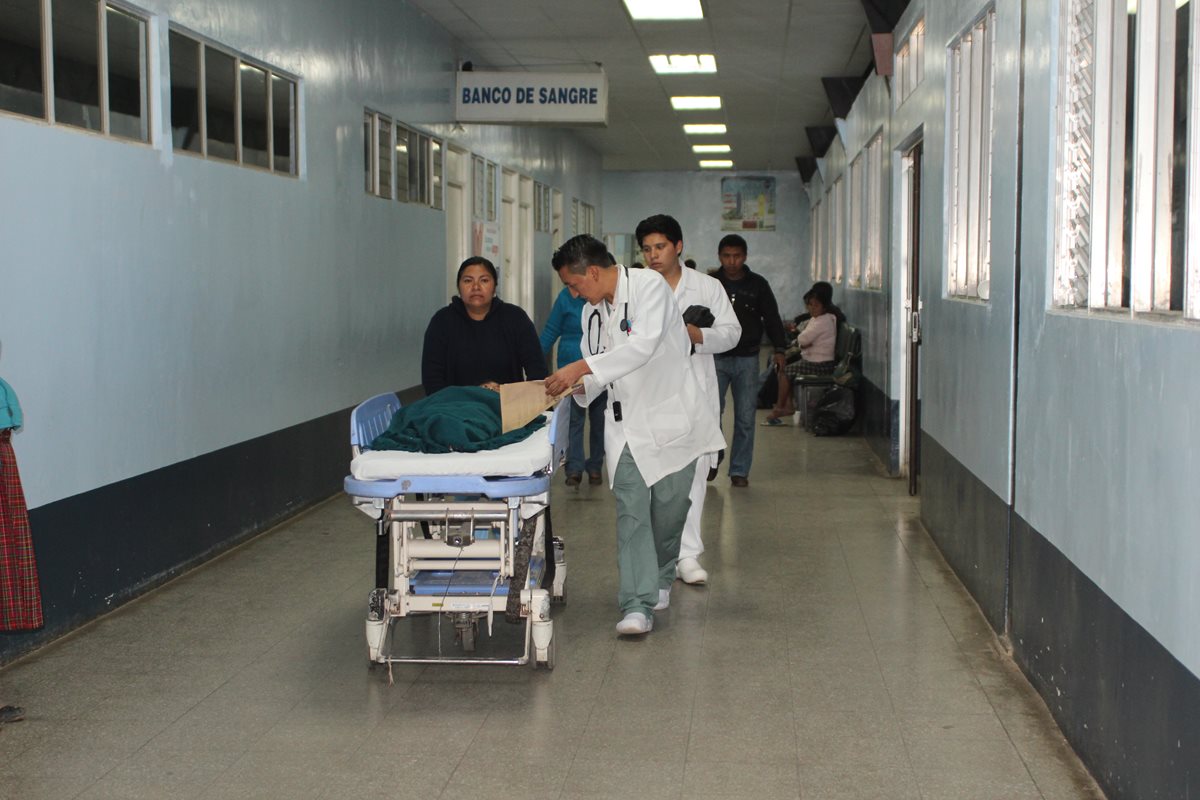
[666,419]
[696,289]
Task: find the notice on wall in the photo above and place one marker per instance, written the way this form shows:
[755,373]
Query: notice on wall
[529,98]
[485,241]
[748,204]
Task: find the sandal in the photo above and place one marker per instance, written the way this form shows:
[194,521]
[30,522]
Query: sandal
[772,422]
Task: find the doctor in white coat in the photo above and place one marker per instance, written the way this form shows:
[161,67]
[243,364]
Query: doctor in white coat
[661,240]
[658,421]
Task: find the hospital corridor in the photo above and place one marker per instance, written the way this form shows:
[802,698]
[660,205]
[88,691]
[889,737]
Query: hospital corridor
[832,655]
[354,357]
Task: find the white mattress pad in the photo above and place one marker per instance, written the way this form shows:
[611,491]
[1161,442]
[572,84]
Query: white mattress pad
[526,457]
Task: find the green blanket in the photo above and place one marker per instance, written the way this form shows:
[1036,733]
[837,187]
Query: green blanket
[457,419]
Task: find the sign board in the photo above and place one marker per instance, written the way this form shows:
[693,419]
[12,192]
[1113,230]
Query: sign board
[524,98]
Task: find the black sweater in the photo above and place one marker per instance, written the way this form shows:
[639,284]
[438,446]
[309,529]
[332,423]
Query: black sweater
[756,309]
[459,351]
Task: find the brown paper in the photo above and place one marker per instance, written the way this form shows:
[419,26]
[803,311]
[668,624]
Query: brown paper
[522,402]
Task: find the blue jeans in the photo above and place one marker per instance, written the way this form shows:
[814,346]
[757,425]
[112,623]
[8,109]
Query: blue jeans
[742,372]
[595,459]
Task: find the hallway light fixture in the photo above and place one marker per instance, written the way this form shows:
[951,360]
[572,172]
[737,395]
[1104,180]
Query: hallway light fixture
[710,148]
[691,103]
[704,128]
[664,9]
[715,163]
[683,64]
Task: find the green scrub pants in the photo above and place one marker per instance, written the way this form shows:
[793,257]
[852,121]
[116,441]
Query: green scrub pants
[649,523]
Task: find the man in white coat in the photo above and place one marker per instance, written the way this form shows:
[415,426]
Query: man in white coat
[658,421]
[661,241]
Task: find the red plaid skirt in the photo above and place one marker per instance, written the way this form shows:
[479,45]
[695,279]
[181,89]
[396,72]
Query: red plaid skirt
[20,595]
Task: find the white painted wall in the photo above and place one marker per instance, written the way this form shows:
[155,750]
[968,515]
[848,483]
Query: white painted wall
[694,198]
[159,306]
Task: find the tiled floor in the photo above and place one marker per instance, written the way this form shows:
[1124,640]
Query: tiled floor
[833,655]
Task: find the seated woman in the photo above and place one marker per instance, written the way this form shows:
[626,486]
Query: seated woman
[479,340]
[815,345]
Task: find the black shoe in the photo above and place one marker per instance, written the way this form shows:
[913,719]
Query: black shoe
[594,479]
[573,478]
[712,473]
[11,714]
[739,481]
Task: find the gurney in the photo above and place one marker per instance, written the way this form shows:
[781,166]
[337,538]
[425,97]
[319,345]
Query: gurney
[463,535]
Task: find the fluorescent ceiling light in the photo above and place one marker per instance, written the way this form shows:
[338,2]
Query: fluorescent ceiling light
[664,9]
[704,128]
[710,148]
[715,163]
[693,103]
[681,65]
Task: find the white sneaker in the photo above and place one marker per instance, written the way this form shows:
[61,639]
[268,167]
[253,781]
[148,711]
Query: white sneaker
[689,571]
[635,622]
[664,599]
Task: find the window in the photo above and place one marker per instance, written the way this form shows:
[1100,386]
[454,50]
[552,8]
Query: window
[575,231]
[1123,223]
[402,140]
[490,188]
[589,219]
[377,134]
[541,207]
[837,238]
[910,64]
[873,214]
[99,56]
[854,256]
[478,195]
[226,106]
[814,226]
[401,162]
[969,150]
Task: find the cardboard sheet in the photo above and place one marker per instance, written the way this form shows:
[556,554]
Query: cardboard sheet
[521,402]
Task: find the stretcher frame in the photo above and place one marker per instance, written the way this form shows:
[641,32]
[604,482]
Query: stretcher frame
[452,525]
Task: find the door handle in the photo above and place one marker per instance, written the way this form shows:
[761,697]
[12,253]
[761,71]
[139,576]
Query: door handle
[915,327]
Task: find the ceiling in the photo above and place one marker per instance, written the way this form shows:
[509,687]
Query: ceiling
[771,56]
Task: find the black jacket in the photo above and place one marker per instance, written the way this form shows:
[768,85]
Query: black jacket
[756,310]
[459,351]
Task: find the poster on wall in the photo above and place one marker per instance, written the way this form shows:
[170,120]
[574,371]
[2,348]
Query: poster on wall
[485,240]
[748,204]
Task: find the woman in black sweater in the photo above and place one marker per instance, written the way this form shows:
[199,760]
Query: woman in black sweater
[479,340]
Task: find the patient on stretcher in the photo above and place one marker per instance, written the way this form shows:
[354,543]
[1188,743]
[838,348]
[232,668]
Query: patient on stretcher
[457,419]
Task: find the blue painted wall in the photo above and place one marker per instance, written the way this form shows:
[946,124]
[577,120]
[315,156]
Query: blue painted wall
[159,306]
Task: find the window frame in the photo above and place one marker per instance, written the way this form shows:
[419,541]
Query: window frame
[103,70]
[1099,218]
[272,72]
[970,110]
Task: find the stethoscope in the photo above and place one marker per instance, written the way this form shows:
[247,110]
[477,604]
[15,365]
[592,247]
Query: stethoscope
[596,324]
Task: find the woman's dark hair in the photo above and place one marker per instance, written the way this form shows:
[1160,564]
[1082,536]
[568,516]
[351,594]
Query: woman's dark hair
[662,224]
[580,252]
[823,291]
[472,261]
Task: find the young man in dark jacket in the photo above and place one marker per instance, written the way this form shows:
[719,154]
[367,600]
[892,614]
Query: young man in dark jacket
[757,311]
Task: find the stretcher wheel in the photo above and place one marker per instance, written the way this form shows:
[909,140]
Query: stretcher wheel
[559,599]
[520,576]
[551,651]
[467,635]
